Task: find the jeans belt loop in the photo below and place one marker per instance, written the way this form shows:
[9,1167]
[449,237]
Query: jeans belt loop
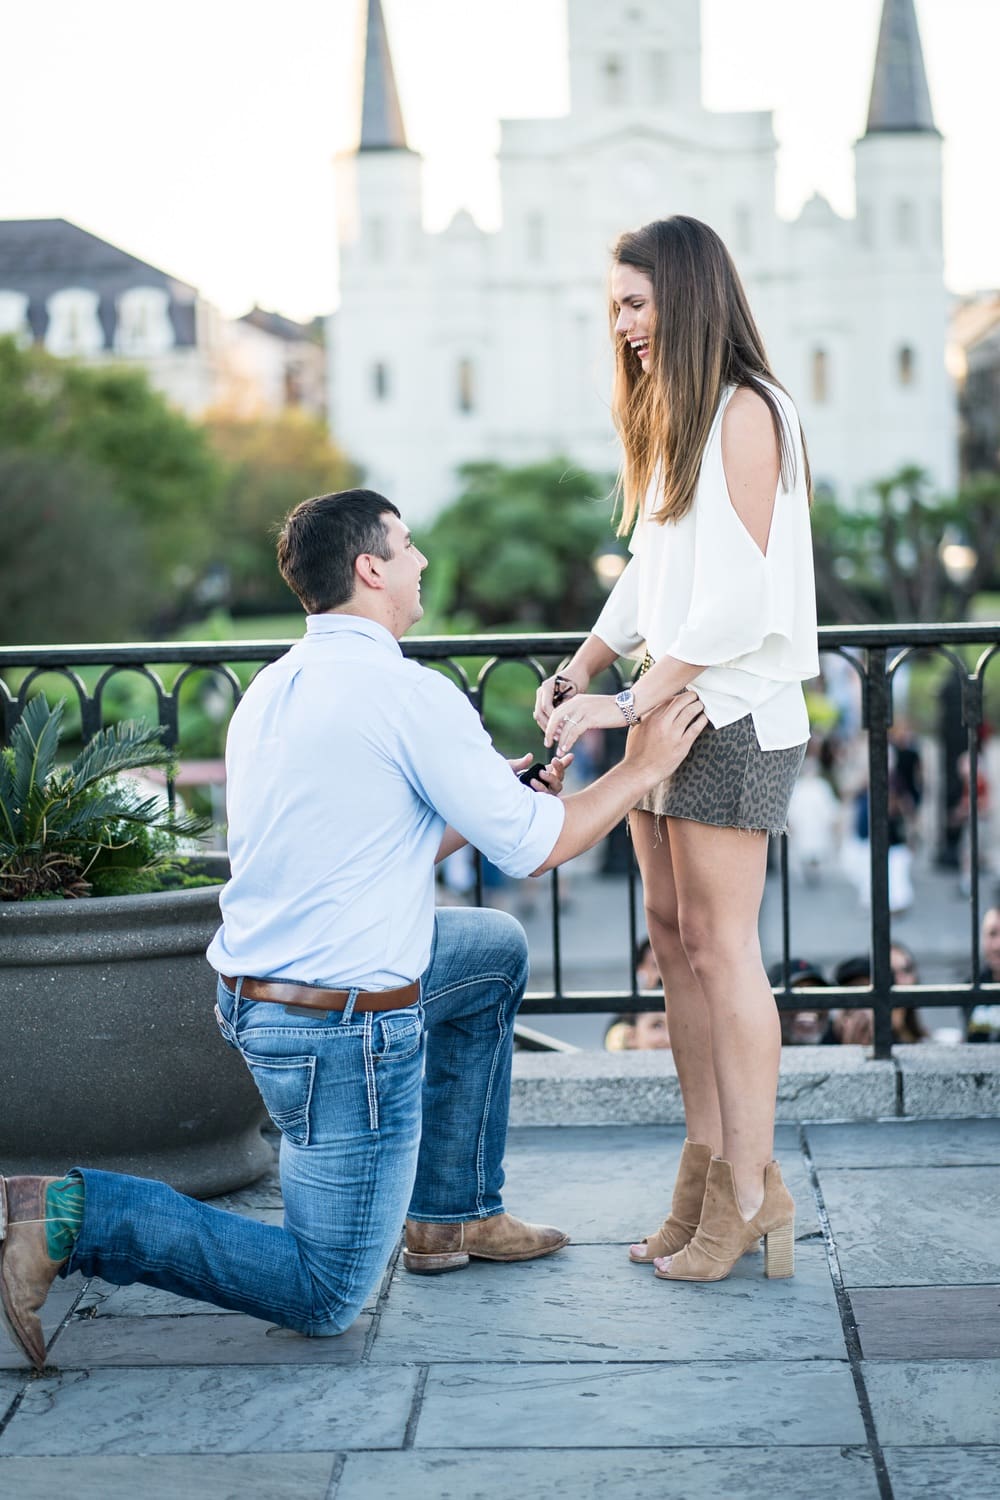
[349,1007]
[237,997]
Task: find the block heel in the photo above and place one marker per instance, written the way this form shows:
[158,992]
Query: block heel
[723,1235]
[779,1251]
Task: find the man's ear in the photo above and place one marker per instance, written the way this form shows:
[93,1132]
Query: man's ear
[367,571]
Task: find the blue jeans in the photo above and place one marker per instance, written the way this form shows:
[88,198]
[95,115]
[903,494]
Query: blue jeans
[381,1115]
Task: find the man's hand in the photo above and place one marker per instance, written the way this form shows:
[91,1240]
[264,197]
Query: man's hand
[551,779]
[666,734]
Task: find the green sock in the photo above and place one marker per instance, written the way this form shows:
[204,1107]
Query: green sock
[64,1215]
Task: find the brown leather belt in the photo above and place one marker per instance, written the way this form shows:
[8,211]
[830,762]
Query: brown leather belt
[308,997]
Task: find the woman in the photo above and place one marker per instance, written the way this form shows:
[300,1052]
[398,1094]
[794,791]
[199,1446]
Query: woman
[719,593]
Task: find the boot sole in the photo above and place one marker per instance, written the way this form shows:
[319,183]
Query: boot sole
[434,1265]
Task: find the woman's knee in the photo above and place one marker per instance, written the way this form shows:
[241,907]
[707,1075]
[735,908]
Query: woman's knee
[711,949]
[663,929]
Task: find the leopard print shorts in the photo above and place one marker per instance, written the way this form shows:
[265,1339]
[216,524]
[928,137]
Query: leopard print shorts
[728,781]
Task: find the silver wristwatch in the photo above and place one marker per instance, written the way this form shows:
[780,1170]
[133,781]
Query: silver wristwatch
[626,702]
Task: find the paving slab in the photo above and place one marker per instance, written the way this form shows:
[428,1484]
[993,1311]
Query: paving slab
[937,1473]
[588,1303]
[906,1143]
[104,1300]
[593,1474]
[951,1322]
[220,1410]
[952,1081]
[932,1402]
[915,1226]
[58,1306]
[607,1186]
[292,1476]
[750,1405]
[211,1339]
[11,1385]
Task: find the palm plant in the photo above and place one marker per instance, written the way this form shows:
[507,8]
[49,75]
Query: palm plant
[80,829]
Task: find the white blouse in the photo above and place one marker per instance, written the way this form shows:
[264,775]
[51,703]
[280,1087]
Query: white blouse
[700,589]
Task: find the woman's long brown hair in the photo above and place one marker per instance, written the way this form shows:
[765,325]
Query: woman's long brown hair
[703,338]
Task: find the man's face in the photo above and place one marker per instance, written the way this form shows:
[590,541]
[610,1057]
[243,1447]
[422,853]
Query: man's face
[402,573]
[991,940]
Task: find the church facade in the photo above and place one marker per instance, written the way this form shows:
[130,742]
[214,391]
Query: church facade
[467,345]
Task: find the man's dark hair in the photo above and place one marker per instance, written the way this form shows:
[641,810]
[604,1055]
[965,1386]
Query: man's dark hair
[321,540]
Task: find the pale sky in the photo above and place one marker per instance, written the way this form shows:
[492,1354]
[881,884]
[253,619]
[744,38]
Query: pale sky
[200,135]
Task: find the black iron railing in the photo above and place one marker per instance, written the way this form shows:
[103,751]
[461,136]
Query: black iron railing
[875,655]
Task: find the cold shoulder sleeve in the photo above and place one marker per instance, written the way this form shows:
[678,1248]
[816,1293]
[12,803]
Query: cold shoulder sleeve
[617,624]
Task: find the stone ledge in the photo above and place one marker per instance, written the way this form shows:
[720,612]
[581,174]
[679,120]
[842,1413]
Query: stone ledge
[821,1083]
[960,1081]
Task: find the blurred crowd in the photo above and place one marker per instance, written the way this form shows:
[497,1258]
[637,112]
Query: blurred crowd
[821,1025]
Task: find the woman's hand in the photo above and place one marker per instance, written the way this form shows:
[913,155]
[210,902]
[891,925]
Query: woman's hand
[551,779]
[553,691]
[579,713]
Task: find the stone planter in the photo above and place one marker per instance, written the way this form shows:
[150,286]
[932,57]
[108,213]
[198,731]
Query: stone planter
[109,1052]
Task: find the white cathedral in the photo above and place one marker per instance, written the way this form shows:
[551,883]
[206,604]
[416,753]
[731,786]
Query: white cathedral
[467,345]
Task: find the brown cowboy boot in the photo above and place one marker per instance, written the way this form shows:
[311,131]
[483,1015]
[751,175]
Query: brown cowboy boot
[26,1269]
[431,1248]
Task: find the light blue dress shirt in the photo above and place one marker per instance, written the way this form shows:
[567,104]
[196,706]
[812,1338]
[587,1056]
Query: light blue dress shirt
[344,764]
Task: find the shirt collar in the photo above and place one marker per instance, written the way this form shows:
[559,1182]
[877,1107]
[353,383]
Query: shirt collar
[319,626]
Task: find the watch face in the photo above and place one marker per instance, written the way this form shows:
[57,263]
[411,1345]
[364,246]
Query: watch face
[625,697]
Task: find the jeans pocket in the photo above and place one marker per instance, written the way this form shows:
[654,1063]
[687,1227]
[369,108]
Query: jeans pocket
[227,1032]
[286,1086]
[397,1036]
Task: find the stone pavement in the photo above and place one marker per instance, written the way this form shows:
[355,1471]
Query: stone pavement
[874,1372]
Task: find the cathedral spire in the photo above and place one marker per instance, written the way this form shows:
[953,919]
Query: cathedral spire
[381,117]
[900,99]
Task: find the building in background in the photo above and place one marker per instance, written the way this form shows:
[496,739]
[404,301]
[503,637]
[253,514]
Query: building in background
[975,363]
[80,297]
[465,344]
[275,363]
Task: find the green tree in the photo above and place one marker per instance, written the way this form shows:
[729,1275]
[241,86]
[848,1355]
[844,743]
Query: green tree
[518,546]
[271,464]
[152,459]
[72,566]
[885,560]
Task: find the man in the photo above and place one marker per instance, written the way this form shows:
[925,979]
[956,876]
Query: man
[378,1030]
[983,1021]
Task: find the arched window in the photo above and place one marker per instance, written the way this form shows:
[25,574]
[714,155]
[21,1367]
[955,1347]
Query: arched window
[658,74]
[465,389]
[906,222]
[906,366]
[380,380]
[614,81]
[743,229]
[14,317]
[144,325]
[74,327]
[534,237]
[819,376]
[376,238]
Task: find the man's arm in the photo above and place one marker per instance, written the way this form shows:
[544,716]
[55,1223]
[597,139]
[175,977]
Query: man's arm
[552,783]
[654,750]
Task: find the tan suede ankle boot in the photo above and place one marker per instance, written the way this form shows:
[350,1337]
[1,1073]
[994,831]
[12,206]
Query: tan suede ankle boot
[723,1235]
[685,1207]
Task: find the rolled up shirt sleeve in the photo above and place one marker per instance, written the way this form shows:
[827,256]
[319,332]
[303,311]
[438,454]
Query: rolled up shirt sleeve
[452,763]
[616,625]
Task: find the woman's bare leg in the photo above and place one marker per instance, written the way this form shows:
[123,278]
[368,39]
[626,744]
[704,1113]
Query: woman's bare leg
[719,880]
[687,1012]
